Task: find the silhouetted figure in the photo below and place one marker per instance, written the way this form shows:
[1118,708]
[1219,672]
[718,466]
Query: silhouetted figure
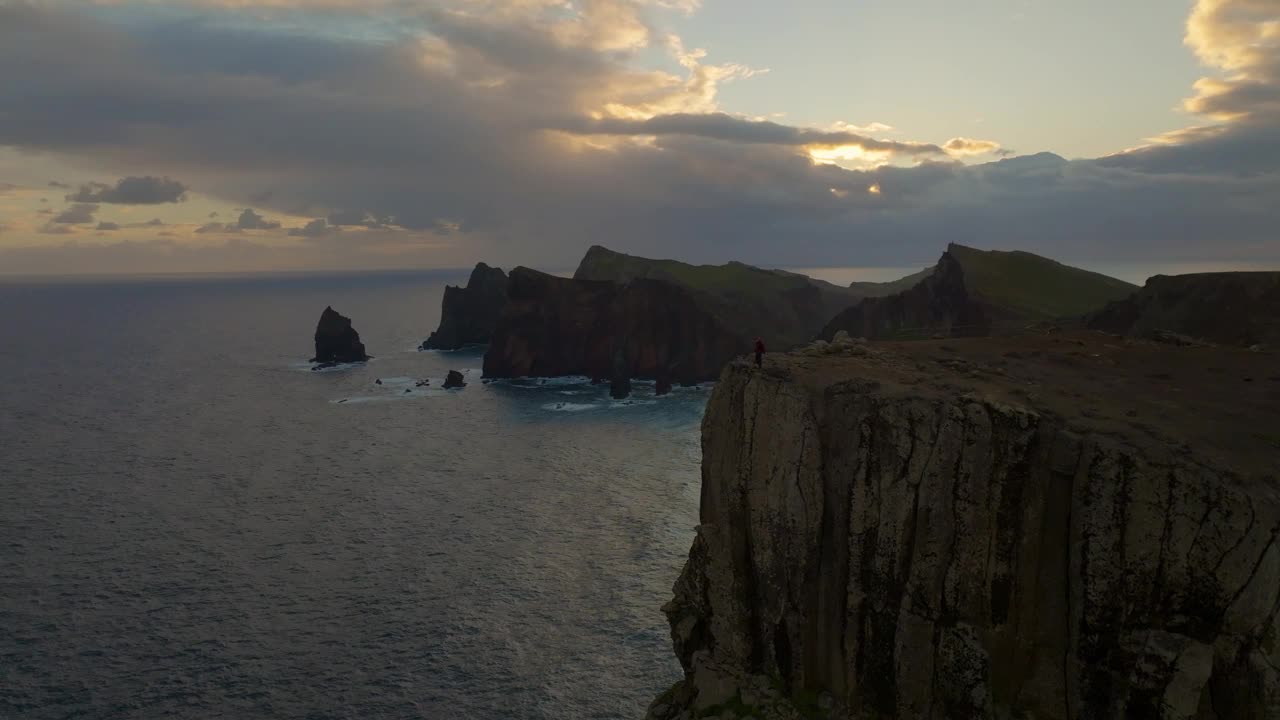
[759,352]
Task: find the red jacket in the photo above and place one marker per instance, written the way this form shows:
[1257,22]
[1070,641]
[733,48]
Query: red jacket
[759,345]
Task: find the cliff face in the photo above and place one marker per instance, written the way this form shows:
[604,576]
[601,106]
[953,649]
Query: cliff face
[643,329]
[468,315]
[1024,527]
[1229,308]
[978,292]
[784,308]
[939,303]
[336,340]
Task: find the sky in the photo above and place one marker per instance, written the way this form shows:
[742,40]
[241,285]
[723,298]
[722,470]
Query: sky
[139,136]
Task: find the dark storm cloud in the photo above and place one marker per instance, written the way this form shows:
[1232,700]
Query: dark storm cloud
[132,191]
[78,214]
[482,133]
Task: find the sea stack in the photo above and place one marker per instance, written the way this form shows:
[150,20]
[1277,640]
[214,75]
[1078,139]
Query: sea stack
[337,341]
[454,380]
[468,315]
[972,529]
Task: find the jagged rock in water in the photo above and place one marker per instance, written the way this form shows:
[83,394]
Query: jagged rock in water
[663,384]
[1230,308]
[620,386]
[454,380]
[337,341]
[468,315]
[977,292]
[979,529]
[553,326]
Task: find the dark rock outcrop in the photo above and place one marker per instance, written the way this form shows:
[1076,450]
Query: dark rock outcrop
[337,341]
[980,292]
[1230,308]
[939,303]
[558,326]
[784,308]
[468,315]
[977,528]
[454,380]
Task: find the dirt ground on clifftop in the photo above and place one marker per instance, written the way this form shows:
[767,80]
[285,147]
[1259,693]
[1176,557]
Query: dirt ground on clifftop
[1220,405]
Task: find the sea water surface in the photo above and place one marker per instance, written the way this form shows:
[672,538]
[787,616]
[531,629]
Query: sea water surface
[193,524]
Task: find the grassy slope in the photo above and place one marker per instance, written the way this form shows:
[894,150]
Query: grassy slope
[1033,287]
[734,277]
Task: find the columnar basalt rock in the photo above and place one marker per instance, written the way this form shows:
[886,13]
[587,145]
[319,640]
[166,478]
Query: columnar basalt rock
[1052,527]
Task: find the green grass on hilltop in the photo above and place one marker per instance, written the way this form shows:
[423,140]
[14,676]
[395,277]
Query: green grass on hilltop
[1035,287]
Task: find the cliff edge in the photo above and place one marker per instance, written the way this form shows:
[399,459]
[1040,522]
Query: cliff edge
[1058,527]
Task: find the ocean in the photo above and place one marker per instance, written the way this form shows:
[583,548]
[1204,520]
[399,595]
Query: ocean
[196,525]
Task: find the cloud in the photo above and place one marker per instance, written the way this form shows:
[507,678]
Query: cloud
[314,229]
[526,131]
[78,214]
[250,220]
[132,191]
[962,146]
[1240,40]
[720,126]
[353,217]
[104,225]
[59,186]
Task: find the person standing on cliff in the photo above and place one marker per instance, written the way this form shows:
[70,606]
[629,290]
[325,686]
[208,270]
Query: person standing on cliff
[759,352]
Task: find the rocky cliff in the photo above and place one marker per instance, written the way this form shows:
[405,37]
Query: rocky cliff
[980,292]
[641,329]
[468,315]
[939,303]
[336,340]
[784,308]
[1232,308]
[1052,527]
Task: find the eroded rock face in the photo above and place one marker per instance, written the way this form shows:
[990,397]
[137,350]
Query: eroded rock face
[454,380]
[648,329]
[907,532]
[938,303]
[336,340]
[468,315]
[1232,308]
